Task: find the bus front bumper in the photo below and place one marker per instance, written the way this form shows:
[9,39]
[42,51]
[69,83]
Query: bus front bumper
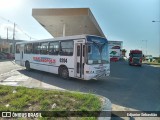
[96,76]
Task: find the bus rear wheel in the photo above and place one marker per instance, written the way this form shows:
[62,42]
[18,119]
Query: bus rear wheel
[64,73]
[27,65]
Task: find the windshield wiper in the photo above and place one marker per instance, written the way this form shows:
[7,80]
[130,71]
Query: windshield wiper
[99,45]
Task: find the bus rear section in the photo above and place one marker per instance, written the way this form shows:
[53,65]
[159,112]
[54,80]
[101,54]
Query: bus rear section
[135,57]
[19,54]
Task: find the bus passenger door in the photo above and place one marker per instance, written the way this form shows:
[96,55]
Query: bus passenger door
[21,55]
[80,47]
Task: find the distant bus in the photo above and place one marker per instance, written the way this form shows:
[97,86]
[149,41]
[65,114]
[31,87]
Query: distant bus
[82,56]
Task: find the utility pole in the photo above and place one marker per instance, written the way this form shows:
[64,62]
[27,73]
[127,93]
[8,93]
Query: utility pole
[7,34]
[14,31]
[13,44]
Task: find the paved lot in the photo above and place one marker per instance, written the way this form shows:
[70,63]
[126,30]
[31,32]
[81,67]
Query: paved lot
[128,87]
[6,66]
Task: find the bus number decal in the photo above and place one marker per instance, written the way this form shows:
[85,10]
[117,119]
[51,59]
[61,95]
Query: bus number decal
[63,60]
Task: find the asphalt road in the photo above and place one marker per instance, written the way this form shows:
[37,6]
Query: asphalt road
[128,86]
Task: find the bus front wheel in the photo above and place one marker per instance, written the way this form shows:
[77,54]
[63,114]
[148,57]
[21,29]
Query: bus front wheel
[64,73]
[27,65]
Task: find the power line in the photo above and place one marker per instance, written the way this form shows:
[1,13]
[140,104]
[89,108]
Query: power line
[18,27]
[24,32]
[6,19]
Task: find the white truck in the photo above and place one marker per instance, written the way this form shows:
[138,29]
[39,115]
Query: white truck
[115,50]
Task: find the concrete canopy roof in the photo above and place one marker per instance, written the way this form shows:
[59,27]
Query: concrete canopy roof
[68,21]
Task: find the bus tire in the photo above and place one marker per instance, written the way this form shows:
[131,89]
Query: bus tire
[27,65]
[64,73]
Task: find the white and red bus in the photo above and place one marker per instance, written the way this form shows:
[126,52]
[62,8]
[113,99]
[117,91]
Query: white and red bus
[82,56]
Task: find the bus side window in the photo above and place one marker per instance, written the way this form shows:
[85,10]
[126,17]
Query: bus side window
[84,49]
[36,48]
[17,48]
[53,48]
[28,48]
[44,48]
[67,48]
[78,50]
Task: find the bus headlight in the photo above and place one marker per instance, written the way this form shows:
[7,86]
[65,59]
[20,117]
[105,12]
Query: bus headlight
[87,71]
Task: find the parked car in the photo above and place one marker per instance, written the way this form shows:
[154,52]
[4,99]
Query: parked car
[3,56]
[8,55]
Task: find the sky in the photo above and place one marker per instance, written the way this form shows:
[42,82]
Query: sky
[129,21]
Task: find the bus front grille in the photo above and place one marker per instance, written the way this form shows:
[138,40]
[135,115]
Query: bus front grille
[100,71]
[135,60]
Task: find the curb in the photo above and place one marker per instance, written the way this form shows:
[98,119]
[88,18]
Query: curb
[106,108]
[151,64]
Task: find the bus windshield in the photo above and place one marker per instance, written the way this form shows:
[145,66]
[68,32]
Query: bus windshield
[97,50]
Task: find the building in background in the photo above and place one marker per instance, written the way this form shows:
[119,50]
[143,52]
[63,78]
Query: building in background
[115,48]
[7,45]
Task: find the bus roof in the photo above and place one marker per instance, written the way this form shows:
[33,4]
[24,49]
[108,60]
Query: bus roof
[60,38]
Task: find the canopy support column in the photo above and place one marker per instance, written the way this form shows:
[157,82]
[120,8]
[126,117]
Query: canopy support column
[64,30]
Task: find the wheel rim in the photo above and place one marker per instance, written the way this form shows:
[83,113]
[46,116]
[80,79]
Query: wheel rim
[64,73]
[27,65]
